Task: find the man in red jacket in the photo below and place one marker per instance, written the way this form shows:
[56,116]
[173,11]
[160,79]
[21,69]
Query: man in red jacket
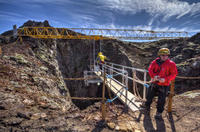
[162,71]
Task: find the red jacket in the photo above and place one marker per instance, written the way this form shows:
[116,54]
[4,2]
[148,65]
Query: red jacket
[165,70]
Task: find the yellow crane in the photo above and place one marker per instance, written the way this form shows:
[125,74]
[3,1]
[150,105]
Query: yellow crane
[97,34]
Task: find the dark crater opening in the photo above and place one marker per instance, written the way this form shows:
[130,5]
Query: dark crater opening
[74,57]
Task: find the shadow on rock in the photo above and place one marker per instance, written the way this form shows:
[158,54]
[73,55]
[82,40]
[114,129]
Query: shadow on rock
[171,120]
[99,126]
[160,124]
[147,122]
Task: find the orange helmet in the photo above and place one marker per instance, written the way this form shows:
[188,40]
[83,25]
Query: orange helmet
[163,51]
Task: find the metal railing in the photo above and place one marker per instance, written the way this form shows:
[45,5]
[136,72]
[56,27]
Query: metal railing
[122,75]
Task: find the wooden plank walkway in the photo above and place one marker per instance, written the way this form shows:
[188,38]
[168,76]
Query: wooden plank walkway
[121,92]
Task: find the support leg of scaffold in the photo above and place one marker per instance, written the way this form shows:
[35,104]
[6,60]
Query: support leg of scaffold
[171,96]
[103,97]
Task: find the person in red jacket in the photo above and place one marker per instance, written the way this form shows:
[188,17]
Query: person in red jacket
[162,71]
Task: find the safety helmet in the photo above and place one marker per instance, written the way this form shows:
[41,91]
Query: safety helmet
[100,53]
[163,51]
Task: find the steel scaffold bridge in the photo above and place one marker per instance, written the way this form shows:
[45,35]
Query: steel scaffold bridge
[95,33]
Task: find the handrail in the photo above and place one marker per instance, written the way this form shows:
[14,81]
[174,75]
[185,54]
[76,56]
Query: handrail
[121,70]
[105,66]
[132,68]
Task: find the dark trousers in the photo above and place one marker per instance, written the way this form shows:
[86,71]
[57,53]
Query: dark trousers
[162,92]
[101,65]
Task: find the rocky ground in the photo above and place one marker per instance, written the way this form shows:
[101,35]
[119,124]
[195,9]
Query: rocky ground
[35,97]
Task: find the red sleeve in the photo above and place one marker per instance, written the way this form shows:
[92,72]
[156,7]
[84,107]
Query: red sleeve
[173,72]
[151,67]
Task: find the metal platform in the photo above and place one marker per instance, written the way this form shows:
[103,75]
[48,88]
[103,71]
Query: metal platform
[124,95]
[90,74]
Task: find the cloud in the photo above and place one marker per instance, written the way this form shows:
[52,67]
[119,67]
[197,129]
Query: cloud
[140,27]
[151,21]
[88,13]
[35,1]
[164,8]
[82,18]
[12,17]
[11,14]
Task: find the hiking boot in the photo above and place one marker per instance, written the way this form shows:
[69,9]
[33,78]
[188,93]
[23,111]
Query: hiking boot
[158,115]
[145,107]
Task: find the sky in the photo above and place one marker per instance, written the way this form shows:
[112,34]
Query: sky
[158,15]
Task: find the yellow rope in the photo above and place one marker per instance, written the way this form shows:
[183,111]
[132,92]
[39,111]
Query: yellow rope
[181,77]
[54,78]
[74,98]
[86,98]
[56,96]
